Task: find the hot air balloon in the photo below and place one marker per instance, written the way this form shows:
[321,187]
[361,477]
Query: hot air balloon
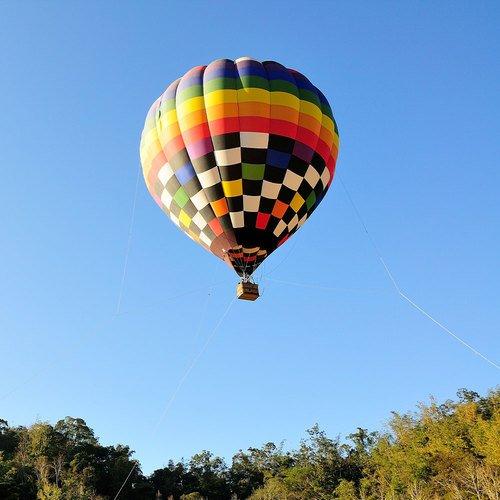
[239,154]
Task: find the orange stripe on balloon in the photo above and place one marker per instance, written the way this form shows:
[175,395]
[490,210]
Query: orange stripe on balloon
[326,135]
[224,110]
[310,123]
[284,113]
[153,176]
[196,133]
[158,161]
[174,146]
[254,109]
[194,118]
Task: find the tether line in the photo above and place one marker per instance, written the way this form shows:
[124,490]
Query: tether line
[117,312]
[399,290]
[321,287]
[179,386]
[129,243]
[285,257]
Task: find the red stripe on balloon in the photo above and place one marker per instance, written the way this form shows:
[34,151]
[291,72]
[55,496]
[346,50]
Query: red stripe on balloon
[307,137]
[224,126]
[254,124]
[284,128]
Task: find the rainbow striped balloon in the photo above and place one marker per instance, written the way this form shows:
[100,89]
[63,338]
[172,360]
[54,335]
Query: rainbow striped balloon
[239,154]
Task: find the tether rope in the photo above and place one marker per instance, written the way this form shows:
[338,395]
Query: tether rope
[179,386]
[160,303]
[211,290]
[398,288]
[46,366]
[321,287]
[292,248]
[129,242]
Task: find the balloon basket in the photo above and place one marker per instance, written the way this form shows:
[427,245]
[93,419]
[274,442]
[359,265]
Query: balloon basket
[246,290]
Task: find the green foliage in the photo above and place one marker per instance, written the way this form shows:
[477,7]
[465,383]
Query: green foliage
[346,490]
[65,462]
[441,451]
[192,496]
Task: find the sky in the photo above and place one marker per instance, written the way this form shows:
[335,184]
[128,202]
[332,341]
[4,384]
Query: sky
[414,89]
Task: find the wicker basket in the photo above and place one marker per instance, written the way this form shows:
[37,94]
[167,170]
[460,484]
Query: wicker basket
[247,291]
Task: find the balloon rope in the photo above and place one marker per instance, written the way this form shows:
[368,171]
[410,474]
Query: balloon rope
[399,290]
[290,250]
[321,287]
[160,303]
[129,243]
[49,364]
[86,338]
[46,366]
[209,293]
[179,386]
[192,365]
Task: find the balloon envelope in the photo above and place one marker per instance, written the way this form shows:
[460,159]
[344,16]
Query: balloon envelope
[239,154]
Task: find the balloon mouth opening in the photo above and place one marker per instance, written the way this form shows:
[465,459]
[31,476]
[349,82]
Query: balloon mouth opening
[244,261]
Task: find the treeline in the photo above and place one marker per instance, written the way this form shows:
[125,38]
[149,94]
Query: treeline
[441,451]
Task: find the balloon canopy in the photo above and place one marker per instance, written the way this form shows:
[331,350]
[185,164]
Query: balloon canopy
[239,154]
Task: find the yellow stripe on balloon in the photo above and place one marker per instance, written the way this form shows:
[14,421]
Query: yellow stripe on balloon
[194,118]
[220,97]
[328,123]
[193,104]
[169,117]
[311,109]
[251,94]
[149,138]
[285,99]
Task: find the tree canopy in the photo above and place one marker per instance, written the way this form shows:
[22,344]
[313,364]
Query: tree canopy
[440,451]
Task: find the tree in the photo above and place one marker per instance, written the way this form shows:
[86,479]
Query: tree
[448,450]
[76,431]
[211,475]
[245,475]
[173,480]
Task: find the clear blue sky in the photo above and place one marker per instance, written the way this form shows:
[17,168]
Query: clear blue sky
[415,89]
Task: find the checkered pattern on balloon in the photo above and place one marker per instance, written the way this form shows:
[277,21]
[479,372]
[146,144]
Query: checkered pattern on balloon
[239,154]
